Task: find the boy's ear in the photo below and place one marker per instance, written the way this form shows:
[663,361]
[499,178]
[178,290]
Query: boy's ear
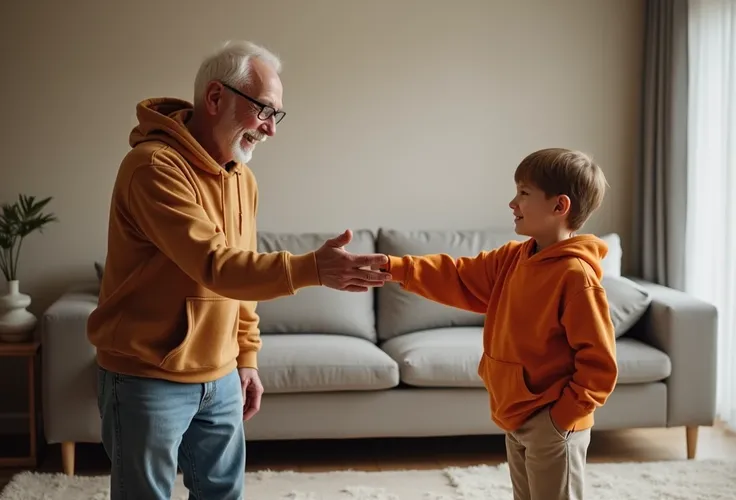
[562,206]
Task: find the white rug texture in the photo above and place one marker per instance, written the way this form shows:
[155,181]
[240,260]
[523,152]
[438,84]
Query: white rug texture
[670,480]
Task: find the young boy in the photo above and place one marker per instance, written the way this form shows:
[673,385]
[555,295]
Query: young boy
[548,344]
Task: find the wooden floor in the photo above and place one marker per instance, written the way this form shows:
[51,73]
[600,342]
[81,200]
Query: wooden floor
[392,454]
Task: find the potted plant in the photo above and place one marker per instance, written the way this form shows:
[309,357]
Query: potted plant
[17,221]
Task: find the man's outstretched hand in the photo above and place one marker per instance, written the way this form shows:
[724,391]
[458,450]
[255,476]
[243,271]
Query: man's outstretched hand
[346,271]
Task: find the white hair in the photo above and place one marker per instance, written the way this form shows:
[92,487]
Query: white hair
[231,65]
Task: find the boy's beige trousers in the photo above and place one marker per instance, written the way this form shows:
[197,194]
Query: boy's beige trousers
[547,464]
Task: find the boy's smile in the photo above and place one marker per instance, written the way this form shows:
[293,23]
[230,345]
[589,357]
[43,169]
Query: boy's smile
[538,216]
[531,209]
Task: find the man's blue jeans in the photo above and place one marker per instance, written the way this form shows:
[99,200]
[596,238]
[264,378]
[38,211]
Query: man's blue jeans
[150,427]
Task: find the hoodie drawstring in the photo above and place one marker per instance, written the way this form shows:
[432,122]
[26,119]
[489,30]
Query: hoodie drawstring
[240,207]
[240,202]
[222,198]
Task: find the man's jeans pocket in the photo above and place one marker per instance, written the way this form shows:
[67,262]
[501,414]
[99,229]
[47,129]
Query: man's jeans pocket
[102,387]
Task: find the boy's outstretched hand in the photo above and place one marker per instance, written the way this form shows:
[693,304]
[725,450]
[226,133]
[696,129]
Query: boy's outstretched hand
[379,267]
[342,270]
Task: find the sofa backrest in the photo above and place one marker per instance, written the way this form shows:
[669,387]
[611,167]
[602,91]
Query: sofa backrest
[318,309]
[400,312]
[391,311]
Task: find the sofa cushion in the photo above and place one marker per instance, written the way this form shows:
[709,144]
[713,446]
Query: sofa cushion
[627,301]
[449,357]
[318,309]
[640,363]
[444,357]
[401,312]
[305,362]
[611,264]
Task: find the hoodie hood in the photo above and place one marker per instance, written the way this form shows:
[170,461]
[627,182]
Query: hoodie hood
[586,247]
[164,119]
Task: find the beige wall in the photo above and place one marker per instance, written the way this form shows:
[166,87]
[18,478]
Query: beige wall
[427,105]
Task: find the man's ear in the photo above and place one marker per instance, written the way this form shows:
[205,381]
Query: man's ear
[213,97]
[562,205]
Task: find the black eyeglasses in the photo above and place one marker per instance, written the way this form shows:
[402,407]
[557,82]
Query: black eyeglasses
[265,112]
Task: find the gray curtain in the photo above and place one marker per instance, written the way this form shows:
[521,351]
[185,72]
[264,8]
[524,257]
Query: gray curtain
[661,175]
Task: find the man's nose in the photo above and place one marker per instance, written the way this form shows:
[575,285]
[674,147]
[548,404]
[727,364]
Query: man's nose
[268,126]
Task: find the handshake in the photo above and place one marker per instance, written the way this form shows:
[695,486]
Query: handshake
[347,271]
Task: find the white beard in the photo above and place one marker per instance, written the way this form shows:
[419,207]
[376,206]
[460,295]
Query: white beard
[239,154]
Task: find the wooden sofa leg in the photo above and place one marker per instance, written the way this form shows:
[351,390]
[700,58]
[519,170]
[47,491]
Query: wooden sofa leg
[67,457]
[691,433]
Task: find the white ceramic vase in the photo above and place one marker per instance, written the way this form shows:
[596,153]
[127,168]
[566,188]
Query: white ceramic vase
[16,322]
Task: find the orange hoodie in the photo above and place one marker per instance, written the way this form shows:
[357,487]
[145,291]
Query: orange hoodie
[548,336]
[182,276]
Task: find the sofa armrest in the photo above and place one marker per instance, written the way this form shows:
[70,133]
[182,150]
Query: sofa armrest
[686,329]
[69,369]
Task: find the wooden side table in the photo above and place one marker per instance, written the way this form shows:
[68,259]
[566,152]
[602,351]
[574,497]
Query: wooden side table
[31,351]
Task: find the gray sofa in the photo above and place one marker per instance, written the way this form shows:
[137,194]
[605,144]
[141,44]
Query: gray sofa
[390,364]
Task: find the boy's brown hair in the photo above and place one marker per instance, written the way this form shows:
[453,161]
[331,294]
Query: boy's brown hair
[558,171]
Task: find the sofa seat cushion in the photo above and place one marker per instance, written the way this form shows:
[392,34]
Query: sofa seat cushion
[306,362]
[640,363]
[444,357]
[449,357]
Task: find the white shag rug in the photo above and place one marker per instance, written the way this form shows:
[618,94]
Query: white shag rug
[671,480]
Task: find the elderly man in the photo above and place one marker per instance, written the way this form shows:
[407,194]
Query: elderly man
[176,330]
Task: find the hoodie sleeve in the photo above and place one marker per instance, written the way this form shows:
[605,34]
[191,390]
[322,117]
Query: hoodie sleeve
[249,335]
[464,283]
[590,333]
[163,207]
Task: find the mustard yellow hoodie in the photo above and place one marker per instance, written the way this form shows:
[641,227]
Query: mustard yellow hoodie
[548,338]
[182,276]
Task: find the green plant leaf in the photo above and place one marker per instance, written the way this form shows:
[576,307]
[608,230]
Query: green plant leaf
[17,221]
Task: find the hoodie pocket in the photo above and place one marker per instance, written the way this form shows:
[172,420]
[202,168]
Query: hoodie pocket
[506,385]
[211,339]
